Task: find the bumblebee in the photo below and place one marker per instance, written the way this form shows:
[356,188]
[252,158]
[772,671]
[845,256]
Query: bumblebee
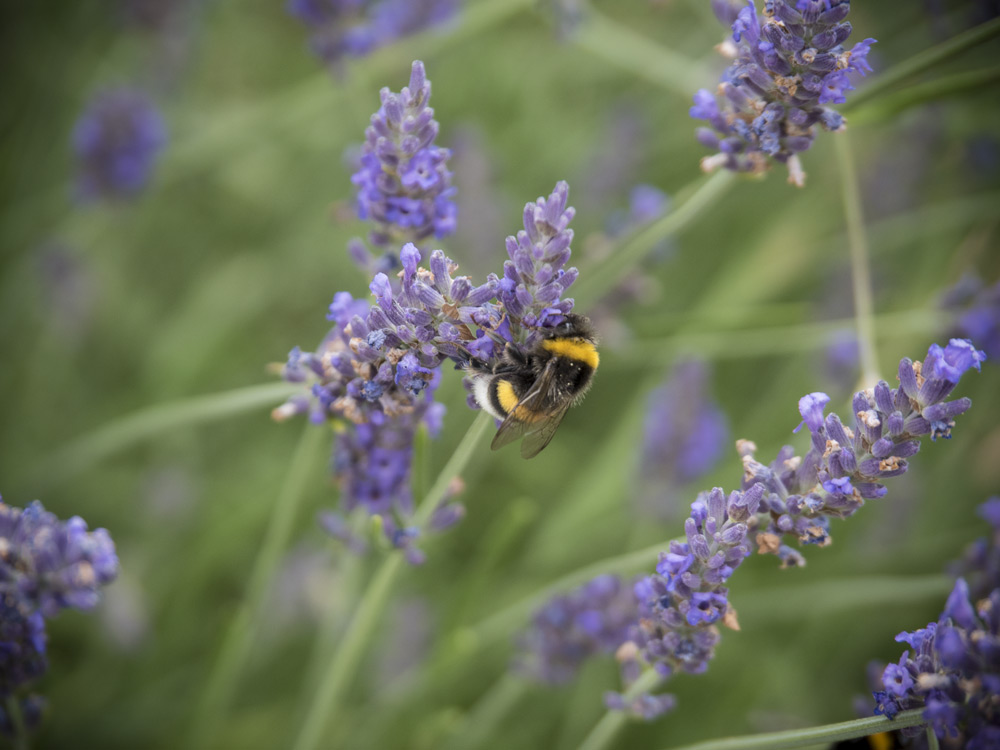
[531,390]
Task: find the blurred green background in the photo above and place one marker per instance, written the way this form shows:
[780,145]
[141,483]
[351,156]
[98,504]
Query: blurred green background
[233,253]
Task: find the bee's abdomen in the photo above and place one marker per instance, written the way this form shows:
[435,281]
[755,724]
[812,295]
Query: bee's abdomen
[502,395]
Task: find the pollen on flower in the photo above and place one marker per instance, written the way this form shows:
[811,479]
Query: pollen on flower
[768,544]
[730,620]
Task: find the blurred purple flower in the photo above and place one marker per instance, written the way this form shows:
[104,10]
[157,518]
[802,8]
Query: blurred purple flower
[117,141]
[46,565]
[685,431]
[354,28]
[51,564]
[979,312]
[594,619]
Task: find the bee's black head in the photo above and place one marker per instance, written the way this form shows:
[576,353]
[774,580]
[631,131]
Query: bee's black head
[572,326]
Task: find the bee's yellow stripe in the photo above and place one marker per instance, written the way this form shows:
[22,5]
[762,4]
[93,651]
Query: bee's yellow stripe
[505,395]
[508,401]
[880,741]
[578,349]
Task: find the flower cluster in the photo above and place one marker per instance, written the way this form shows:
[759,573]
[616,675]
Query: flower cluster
[403,182]
[46,565]
[685,431]
[375,372]
[682,604]
[379,364]
[594,619]
[534,277]
[354,28]
[845,466]
[771,98]
[953,671]
[117,141]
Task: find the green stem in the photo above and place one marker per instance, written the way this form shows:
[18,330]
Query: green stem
[17,719]
[923,61]
[242,632]
[612,721]
[331,626]
[794,339]
[463,453]
[829,733]
[638,55]
[125,431]
[603,275]
[932,740]
[506,531]
[328,696]
[481,720]
[857,242]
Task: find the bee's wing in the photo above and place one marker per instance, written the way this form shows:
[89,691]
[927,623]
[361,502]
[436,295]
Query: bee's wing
[542,433]
[529,419]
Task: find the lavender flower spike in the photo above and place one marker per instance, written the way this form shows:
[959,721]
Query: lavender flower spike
[846,466]
[534,279]
[46,565]
[117,141]
[354,28]
[685,431]
[50,564]
[951,669]
[794,496]
[680,605]
[595,618]
[787,67]
[403,182]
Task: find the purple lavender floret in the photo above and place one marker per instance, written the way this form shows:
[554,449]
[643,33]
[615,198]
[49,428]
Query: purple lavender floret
[51,564]
[22,645]
[594,619]
[789,64]
[403,183]
[378,384]
[952,671]
[373,461]
[681,605]
[534,278]
[117,141]
[846,466]
[354,28]
[46,565]
[685,430]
